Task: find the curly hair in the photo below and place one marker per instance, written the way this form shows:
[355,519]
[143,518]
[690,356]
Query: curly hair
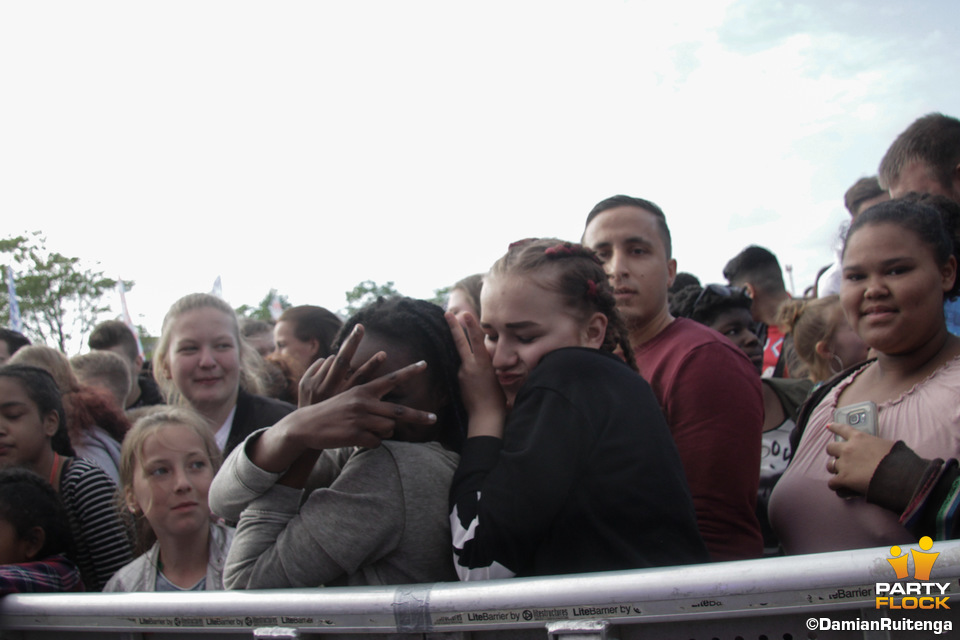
[421,327]
[28,501]
[575,273]
[703,305]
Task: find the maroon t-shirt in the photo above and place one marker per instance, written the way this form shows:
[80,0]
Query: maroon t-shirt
[710,395]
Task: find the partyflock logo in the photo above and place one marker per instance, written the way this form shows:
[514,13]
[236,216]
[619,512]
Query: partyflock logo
[919,594]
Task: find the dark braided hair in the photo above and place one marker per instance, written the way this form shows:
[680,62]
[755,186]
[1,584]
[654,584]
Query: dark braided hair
[28,501]
[42,389]
[704,305]
[421,327]
[576,274]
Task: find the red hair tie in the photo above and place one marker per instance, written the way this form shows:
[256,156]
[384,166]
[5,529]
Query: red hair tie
[564,248]
[592,290]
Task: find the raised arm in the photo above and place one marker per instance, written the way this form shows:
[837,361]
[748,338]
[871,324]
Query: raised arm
[357,520]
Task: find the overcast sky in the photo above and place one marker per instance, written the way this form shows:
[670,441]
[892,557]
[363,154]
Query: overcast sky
[308,146]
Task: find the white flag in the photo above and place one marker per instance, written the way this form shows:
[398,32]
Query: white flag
[127,320]
[276,309]
[15,322]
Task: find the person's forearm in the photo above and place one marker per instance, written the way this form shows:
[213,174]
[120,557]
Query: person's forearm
[278,448]
[486,424]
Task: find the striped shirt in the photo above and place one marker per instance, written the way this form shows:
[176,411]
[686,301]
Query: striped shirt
[102,543]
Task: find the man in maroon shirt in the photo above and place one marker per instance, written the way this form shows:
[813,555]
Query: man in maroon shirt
[707,388]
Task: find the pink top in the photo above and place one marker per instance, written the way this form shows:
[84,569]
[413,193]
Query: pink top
[809,518]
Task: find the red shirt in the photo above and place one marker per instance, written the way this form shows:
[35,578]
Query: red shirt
[772,350]
[711,398]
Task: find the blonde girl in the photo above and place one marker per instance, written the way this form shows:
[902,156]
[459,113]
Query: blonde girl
[200,361]
[822,337]
[167,463]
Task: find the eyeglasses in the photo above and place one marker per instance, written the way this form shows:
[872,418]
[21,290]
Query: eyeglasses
[721,291]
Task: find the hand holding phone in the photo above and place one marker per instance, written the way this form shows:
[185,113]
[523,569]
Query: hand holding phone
[862,416]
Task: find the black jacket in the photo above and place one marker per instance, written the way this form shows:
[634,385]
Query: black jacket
[254,412]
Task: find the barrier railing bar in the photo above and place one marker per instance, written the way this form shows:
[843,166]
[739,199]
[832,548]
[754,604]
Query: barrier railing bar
[775,586]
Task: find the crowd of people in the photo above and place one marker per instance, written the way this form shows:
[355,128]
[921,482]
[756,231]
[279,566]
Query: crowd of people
[579,407]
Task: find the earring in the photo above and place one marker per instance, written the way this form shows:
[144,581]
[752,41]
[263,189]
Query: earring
[836,358]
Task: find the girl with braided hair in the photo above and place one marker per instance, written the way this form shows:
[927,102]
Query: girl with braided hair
[351,488]
[568,465]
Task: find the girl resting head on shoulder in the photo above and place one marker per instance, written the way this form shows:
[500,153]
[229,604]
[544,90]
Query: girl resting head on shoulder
[168,461]
[569,465]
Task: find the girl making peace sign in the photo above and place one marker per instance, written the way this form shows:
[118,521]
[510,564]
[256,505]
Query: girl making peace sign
[379,441]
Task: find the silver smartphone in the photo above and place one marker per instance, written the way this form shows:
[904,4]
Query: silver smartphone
[862,416]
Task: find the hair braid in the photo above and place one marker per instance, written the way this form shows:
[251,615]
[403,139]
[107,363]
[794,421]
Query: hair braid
[422,328]
[575,273]
[705,304]
[618,336]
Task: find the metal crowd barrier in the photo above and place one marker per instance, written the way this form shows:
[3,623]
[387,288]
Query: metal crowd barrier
[811,597]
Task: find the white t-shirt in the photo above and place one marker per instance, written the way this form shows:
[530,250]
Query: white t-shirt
[223,433]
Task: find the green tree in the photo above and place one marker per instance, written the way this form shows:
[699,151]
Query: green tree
[147,341]
[365,293]
[58,299]
[440,296]
[262,311]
